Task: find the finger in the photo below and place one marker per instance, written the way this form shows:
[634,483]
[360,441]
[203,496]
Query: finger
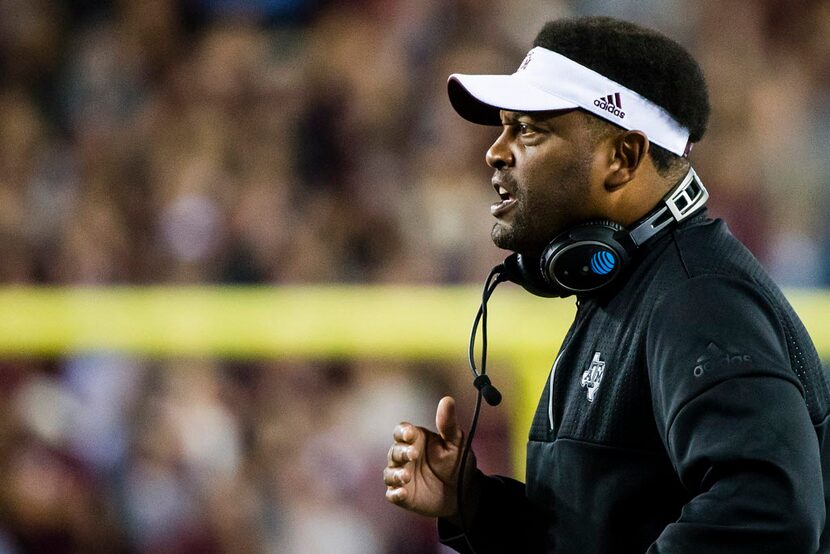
[446,422]
[399,454]
[395,477]
[405,432]
[396,495]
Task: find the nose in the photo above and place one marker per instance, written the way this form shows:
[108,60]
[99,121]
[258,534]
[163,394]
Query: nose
[499,154]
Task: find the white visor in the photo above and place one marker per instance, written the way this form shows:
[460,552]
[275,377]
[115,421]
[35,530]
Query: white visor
[550,81]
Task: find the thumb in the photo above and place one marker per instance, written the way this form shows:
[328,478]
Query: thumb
[446,422]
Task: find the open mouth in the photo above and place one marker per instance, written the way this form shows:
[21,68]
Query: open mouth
[506,202]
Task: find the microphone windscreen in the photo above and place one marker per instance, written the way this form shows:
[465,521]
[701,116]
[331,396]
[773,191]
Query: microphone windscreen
[491,395]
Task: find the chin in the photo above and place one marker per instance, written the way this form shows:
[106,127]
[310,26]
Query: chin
[502,237]
[506,238]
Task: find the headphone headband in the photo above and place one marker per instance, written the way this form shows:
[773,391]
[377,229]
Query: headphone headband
[684,200]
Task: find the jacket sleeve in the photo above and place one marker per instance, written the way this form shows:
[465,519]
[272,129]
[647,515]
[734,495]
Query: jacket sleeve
[504,520]
[734,422]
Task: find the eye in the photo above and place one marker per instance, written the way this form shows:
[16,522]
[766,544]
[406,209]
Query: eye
[527,132]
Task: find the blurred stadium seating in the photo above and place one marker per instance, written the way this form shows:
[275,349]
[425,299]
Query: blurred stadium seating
[240,240]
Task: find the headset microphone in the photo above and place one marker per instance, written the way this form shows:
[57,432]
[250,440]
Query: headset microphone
[490,393]
[480,380]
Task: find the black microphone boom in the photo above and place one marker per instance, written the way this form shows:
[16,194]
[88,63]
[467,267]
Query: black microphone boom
[481,382]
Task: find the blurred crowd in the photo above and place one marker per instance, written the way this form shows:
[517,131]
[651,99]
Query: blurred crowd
[109,454]
[308,141]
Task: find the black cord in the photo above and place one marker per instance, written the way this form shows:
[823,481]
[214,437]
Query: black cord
[495,277]
[464,453]
[482,383]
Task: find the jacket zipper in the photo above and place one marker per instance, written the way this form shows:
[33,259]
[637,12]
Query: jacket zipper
[565,345]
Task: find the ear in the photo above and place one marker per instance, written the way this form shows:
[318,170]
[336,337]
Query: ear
[629,151]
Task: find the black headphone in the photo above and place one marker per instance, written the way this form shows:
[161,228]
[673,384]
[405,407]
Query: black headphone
[592,255]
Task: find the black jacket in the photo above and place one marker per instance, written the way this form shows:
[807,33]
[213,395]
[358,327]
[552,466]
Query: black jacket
[686,412]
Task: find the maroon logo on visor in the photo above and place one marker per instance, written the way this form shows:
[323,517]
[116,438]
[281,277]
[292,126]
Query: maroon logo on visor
[611,104]
[526,60]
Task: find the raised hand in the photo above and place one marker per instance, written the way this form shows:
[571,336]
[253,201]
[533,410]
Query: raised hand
[421,471]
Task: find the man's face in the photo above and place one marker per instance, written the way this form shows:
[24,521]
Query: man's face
[543,173]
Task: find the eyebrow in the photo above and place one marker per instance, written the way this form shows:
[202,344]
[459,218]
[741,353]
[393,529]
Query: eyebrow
[535,118]
[512,117]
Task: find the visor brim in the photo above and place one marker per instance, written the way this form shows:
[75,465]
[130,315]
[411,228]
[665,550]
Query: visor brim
[478,98]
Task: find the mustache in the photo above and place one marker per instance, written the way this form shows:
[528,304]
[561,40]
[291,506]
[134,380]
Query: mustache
[502,179]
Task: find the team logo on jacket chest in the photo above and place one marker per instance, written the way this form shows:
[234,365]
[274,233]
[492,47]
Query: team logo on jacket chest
[592,377]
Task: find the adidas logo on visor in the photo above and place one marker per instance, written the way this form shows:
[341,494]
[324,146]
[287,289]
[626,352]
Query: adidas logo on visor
[611,104]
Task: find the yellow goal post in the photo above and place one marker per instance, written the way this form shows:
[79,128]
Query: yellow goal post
[394,322]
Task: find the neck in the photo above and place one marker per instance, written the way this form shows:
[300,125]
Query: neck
[644,193]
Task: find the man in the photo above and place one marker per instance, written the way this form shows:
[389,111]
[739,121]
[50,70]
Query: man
[686,410]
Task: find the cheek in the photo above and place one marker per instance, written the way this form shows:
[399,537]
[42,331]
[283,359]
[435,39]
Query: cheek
[560,181]
[595,191]
[562,195]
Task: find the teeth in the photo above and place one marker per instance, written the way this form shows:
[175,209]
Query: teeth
[503,191]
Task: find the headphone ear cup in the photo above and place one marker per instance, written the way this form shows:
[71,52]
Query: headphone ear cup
[528,274]
[585,258]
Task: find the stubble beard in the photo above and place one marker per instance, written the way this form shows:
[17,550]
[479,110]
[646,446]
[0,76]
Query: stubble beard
[537,221]
[515,235]
[521,235]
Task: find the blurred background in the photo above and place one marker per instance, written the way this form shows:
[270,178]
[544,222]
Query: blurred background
[296,142]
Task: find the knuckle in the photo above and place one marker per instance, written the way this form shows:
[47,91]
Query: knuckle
[394,495]
[405,433]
